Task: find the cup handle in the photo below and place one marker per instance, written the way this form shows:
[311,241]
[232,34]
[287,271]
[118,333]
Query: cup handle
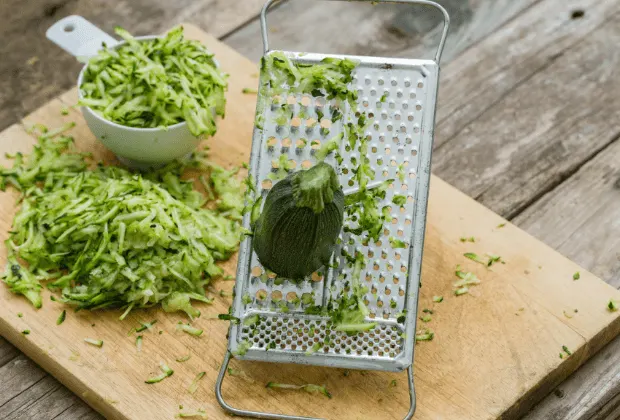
[79,37]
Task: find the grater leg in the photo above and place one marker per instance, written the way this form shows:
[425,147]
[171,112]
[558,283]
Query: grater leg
[247,413]
[262,415]
[411,393]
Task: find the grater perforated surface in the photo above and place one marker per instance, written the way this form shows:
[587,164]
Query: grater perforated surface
[398,96]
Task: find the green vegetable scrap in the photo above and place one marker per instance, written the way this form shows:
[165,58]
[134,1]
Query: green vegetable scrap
[194,385]
[196,332]
[145,326]
[426,335]
[613,305]
[156,83]
[246,299]
[493,259]
[107,237]
[139,343]
[242,348]
[461,291]
[26,332]
[228,317]
[426,318]
[468,239]
[201,413]
[250,91]
[61,317]
[397,243]
[240,373]
[184,358]
[166,371]
[252,320]
[20,315]
[576,276]
[198,413]
[94,342]
[467,279]
[399,200]
[438,299]
[474,257]
[307,387]
[315,347]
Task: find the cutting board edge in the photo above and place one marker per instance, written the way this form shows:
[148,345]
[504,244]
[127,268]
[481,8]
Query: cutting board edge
[534,395]
[59,371]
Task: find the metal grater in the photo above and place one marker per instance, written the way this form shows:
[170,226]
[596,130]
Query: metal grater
[401,136]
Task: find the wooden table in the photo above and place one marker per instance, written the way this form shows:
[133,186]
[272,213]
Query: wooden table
[528,124]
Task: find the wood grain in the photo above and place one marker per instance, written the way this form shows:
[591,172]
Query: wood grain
[592,392]
[7,352]
[590,196]
[539,132]
[453,382]
[34,70]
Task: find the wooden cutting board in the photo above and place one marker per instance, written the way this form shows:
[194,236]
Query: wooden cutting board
[496,350]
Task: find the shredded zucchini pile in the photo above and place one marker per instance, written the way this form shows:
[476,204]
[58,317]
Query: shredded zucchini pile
[107,237]
[156,83]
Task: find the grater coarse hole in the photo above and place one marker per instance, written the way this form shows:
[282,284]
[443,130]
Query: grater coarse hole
[398,97]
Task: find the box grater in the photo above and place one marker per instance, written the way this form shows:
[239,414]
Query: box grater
[398,96]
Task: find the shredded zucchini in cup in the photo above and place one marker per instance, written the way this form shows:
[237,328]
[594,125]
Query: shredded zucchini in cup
[151,99]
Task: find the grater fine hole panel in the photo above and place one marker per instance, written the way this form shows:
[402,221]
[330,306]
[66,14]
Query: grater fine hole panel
[282,332]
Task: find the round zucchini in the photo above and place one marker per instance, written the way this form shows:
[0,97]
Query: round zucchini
[302,217]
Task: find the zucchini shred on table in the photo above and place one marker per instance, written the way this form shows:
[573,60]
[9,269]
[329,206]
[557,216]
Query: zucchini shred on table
[107,237]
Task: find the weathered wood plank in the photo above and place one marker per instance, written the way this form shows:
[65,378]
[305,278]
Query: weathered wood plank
[47,399]
[509,58]
[543,130]
[7,352]
[17,376]
[591,393]
[79,411]
[581,217]
[384,30]
[34,70]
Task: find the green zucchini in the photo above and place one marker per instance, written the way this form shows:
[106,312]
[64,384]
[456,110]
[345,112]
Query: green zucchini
[302,217]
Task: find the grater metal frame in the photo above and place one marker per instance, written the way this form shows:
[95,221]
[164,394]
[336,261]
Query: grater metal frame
[429,70]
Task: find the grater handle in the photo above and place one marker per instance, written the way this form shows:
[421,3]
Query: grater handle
[442,42]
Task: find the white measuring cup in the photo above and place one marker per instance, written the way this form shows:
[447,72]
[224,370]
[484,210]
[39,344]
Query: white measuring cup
[139,148]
